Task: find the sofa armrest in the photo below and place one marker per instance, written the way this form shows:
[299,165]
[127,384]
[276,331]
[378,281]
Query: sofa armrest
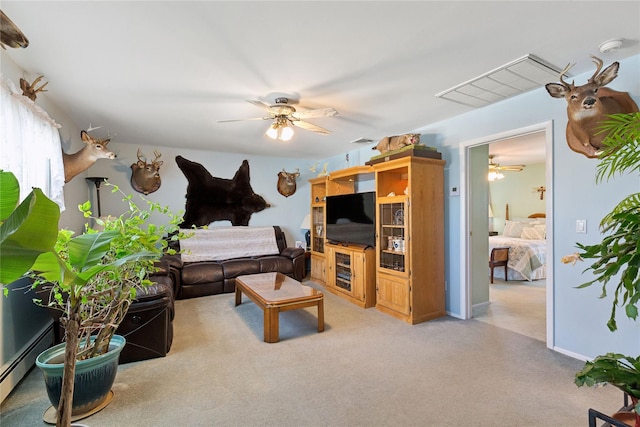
[292,253]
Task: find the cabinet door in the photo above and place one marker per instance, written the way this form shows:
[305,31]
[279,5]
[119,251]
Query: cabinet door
[393,293]
[330,267]
[317,228]
[344,276]
[393,233]
[358,276]
[318,268]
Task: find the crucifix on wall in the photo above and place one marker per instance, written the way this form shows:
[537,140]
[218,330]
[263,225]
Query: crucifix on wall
[541,190]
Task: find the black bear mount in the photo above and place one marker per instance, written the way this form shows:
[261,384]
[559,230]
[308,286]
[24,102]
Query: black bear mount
[212,199]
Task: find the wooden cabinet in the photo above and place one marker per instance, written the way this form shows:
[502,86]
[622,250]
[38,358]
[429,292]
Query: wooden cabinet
[410,238]
[350,273]
[318,195]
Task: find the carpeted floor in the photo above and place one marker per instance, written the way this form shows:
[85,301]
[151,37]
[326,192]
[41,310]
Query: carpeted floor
[518,306]
[365,369]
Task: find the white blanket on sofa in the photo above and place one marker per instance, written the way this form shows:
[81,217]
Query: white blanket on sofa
[220,243]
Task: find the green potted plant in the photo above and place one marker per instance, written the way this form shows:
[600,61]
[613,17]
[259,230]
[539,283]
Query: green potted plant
[91,278]
[617,257]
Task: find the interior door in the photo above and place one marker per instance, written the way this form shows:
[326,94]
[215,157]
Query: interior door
[479,223]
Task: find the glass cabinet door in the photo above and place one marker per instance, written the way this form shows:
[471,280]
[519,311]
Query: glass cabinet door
[317,229]
[392,230]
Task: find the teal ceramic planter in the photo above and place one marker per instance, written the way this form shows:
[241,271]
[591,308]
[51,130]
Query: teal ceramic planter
[93,377]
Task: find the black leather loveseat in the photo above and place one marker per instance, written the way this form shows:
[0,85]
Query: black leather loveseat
[201,278]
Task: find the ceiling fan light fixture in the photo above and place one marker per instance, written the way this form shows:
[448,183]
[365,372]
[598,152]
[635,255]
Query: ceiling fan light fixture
[272,131]
[495,175]
[286,133]
[280,129]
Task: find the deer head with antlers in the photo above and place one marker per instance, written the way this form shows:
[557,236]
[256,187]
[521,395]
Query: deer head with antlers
[30,90]
[81,160]
[588,105]
[145,176]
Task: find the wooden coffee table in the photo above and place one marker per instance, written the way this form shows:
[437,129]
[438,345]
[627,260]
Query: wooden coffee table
[275,292]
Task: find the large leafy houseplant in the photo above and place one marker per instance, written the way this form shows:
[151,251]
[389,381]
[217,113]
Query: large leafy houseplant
[92,277]
[617,257]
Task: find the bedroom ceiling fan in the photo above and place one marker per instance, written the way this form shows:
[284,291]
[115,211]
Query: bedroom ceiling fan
[495,169]
[285,116]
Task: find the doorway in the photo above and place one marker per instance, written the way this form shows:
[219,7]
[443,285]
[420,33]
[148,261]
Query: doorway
[474,237]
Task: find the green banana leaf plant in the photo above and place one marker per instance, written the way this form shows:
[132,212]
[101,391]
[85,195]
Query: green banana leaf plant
[92,278]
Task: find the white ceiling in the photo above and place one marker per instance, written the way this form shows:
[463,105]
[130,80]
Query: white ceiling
[162,73]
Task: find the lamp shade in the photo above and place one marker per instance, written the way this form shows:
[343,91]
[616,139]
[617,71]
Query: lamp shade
[306,222]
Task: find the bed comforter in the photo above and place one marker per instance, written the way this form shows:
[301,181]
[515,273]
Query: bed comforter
[527,258]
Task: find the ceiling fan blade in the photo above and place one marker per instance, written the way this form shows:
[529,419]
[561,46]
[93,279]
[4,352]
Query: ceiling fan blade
[242,120]
[320,112]
[260,104]
[516,168]
[311,127]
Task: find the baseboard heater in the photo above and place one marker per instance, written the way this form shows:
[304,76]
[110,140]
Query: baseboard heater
[19,365]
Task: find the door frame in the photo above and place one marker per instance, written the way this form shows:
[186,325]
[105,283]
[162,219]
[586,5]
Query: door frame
[465,255]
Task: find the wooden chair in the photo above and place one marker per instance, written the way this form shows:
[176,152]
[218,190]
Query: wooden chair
[499,257]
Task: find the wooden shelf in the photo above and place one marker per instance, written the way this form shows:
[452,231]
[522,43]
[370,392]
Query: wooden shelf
[354,173]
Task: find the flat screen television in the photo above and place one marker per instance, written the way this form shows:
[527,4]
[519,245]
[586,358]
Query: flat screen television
[351,218]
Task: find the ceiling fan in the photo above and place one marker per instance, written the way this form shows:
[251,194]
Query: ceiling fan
[495,169]
[285,116]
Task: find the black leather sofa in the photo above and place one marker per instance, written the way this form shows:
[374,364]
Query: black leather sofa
[196,279]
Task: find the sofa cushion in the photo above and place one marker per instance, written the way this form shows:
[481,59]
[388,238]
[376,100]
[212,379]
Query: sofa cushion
[238,267]
[270,264]
[202,272]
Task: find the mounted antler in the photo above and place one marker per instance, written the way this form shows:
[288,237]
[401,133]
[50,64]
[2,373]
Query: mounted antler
[564,71]
[598,63]
[30,90]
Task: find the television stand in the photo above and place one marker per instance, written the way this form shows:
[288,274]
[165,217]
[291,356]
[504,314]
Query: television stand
[351,273]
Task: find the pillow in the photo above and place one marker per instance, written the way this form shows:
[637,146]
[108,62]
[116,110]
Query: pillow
[543,228]
[513,229]
[533,233]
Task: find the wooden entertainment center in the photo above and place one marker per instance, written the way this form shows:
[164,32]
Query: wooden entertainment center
[403,276]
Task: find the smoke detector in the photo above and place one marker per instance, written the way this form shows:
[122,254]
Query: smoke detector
[610,45]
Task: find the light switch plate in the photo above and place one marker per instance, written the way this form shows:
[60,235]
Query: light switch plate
[581,226]
[455,191]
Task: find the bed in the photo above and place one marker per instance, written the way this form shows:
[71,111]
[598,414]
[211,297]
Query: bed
[527,248]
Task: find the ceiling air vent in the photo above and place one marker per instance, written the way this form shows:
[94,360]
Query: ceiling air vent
[516,77]
[361,140]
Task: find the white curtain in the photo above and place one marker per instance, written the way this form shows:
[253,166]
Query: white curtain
[30,144]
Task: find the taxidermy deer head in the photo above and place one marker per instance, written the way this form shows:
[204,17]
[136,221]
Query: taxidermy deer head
[588,105]
[80,161]
[30,90]
[145,176]
[287,182]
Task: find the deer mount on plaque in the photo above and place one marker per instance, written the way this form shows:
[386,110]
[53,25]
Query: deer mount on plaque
[145,176]
[588,105]
[287,182]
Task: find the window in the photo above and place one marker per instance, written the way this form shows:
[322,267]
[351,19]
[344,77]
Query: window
[30,144]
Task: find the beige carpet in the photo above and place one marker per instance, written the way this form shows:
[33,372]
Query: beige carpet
[365,369]
[518,306]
